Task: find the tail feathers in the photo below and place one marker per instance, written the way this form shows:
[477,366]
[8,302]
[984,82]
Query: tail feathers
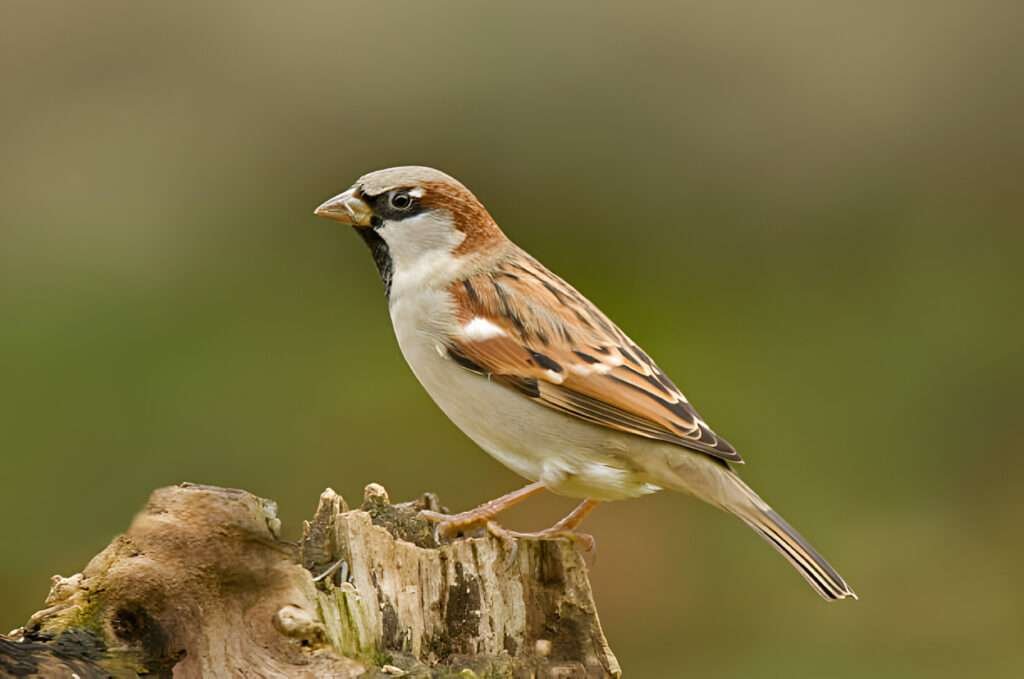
[715,483]
[804,558]
[786,540]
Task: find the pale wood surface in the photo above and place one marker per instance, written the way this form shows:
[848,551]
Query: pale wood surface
[201,585]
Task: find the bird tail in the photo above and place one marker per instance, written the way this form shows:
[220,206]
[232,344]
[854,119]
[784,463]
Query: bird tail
[804,558]
[789,543]
[717,484]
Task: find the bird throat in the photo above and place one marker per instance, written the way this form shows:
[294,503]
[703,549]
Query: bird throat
[381,256]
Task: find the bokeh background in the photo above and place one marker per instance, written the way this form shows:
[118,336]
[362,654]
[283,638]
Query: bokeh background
[809,213]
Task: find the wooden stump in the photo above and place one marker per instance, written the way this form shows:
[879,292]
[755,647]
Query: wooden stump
[202,586]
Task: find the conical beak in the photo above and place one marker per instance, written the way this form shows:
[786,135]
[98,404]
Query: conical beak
[346,208]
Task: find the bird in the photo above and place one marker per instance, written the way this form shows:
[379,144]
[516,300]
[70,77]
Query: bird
[535,374]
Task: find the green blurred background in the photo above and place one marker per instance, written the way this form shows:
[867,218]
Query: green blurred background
[809,213]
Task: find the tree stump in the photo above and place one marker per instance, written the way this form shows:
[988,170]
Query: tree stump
[201,585]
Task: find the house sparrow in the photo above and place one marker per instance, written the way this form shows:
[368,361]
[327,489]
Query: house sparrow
[534,373]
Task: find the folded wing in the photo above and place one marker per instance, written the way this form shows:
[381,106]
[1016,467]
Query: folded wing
[525,327]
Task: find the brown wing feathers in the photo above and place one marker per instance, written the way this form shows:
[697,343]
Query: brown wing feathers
[551,343]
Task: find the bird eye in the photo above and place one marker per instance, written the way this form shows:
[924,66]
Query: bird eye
[401,201]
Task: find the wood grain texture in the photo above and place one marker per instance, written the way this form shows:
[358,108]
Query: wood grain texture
[201,585]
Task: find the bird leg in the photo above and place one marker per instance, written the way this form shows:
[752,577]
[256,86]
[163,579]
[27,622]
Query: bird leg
[449,525]
[566,528]
[574,518]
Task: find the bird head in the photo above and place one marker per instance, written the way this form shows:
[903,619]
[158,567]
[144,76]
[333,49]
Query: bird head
[411,216]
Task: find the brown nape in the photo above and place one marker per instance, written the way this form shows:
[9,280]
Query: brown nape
[469,215]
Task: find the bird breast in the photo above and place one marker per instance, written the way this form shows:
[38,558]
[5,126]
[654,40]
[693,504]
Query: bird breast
[570,456]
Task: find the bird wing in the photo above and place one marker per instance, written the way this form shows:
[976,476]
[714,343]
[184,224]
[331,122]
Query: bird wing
[523,326]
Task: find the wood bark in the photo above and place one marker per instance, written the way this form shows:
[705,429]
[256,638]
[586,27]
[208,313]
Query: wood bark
[201,585]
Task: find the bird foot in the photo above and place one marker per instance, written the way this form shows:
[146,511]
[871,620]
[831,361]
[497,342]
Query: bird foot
[510,538]
[583,541]
[448,526]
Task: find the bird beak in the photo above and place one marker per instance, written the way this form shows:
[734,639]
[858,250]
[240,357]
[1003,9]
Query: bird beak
[346,208]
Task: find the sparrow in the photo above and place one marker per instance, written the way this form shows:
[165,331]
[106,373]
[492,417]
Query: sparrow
[534,373]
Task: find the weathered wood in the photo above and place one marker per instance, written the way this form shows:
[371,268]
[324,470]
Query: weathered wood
[201,585]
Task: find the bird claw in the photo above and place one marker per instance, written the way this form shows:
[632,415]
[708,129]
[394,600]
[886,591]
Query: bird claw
[585,542]
[447,526]
[508,540]
[582,541]
[432,516]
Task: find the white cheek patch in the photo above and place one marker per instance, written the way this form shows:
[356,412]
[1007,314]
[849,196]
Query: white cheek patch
[429,233]
[421,250]
[480,329]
